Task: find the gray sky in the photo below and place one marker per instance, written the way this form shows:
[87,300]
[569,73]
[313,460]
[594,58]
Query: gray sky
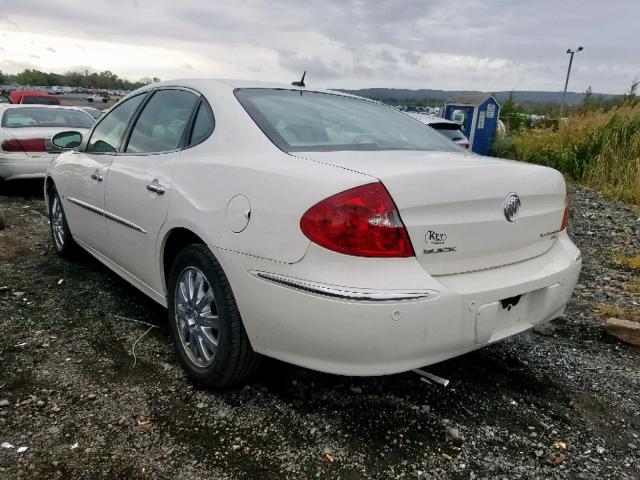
[464,44]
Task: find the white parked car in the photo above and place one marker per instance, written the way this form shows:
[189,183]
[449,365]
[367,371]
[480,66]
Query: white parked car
[315,227]
[100,97]
[25,133]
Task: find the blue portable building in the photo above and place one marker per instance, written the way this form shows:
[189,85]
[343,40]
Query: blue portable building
[478,113]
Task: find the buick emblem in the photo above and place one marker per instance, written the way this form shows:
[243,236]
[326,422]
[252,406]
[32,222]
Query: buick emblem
[511,207]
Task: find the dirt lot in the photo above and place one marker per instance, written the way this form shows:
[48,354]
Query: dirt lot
[559,405]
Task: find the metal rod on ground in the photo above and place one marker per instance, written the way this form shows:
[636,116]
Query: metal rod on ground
[430,376]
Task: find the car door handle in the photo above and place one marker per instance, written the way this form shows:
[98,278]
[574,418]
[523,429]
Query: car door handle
[96,176]
[156,188]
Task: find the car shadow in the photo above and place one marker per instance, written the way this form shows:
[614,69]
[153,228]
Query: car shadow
[32,188]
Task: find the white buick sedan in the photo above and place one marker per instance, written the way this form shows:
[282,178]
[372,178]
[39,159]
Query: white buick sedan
[322,229]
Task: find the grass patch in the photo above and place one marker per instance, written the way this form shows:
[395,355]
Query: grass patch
[631,262]
[598,148]
[632,287]
[606,311]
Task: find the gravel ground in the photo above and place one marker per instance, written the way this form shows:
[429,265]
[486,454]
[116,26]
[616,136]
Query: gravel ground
[563,404]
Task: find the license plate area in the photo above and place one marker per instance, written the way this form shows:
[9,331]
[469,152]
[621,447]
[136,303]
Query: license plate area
[510,302]
[499,315]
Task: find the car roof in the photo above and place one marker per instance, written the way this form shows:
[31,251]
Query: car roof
[204,83]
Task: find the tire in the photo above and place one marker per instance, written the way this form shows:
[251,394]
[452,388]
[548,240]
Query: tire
[212,357]
[63,241]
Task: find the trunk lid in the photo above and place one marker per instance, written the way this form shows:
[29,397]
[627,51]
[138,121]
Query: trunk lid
[453,205]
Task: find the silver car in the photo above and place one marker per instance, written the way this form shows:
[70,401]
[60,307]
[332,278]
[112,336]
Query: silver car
[25,130]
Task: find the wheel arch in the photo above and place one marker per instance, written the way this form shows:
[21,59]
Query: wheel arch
[48,185]
[173,242]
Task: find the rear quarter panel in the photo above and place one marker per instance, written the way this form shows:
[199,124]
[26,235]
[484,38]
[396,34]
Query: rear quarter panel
[239,159]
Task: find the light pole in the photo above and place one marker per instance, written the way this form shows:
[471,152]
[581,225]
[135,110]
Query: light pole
[566,82]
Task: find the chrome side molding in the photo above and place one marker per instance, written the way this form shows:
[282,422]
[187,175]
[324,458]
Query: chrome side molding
[109,215]
[346,293]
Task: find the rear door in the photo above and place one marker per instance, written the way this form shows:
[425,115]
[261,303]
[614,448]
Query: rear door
[140,181]
[86,175]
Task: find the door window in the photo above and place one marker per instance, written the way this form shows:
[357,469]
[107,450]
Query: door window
[162,124]
[107,135]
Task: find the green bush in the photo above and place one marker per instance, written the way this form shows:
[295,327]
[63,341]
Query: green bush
[598,148]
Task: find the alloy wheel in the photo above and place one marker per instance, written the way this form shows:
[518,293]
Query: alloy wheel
[57,222]
[196,316]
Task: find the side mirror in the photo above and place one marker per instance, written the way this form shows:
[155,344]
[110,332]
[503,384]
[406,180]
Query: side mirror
[67,140]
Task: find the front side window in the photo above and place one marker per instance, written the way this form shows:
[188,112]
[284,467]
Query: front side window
[162,124]
[312,121]
[107,135]
[45,117]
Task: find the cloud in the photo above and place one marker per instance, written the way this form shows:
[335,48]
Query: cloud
[473,44]
[50,49]
[297,64]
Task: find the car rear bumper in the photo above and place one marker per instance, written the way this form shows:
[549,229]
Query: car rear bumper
[379,331]
[23,168]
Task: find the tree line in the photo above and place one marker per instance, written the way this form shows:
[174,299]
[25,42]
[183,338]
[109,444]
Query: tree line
[105,80]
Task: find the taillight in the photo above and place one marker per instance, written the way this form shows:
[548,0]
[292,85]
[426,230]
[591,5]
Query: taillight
[29,145]
[565,217]
[362,221]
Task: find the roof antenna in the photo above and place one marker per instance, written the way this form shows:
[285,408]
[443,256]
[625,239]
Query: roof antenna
[300,83]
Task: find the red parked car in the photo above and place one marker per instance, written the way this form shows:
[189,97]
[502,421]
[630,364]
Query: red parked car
[33,96]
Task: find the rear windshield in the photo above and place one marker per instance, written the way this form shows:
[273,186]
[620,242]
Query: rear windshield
[311,121]
[449,130]
[45,117]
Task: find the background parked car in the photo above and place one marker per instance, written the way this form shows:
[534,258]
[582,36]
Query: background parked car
[33,97]
[98,97]
[4,98]
[25,130]
[451,130]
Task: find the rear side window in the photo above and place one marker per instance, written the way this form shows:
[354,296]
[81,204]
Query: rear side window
[163,122]
[45,117]
[449,130]
[203,125]
[107,135]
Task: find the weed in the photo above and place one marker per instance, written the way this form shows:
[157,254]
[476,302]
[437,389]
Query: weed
[606,311]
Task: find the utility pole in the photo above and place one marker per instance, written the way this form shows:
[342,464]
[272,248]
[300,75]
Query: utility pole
[566,82]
